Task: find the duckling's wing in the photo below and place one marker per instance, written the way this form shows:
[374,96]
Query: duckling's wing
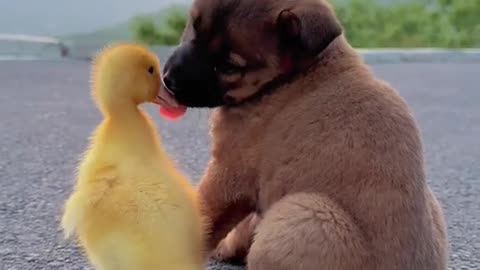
[74,213]
[87,194]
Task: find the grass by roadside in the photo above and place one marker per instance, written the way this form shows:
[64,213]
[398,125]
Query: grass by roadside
[367,23]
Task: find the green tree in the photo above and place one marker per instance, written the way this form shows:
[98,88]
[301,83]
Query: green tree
[147,31]
[367,23]
[421,23]
[464,16]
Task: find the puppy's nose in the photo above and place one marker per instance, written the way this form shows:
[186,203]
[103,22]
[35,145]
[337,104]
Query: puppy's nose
[169,83]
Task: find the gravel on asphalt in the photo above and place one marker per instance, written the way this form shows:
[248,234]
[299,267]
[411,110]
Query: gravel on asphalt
[47,115]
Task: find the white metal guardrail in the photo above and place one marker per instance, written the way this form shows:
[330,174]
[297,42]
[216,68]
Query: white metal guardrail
[22,46]
[18,46]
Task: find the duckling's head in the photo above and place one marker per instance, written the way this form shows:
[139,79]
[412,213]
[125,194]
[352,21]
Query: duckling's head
[126,74]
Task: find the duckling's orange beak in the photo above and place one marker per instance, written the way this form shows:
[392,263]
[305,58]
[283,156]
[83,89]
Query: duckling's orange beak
[165,99]
[169,107]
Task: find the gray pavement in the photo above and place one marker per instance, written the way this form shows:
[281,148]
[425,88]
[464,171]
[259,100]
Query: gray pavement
[46,117]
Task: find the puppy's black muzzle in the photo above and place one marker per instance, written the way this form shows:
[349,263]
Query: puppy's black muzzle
[190,76]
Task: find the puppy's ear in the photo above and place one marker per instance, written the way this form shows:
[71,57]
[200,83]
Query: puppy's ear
[188,32]
[191,25]
[309,29]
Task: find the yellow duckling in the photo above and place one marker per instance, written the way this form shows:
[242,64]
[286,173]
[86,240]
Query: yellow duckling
[131,208]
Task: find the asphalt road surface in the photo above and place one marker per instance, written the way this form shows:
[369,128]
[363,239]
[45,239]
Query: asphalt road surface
[46,116]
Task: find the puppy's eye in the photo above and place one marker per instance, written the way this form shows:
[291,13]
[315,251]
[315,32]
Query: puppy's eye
[151,70]
[228,68]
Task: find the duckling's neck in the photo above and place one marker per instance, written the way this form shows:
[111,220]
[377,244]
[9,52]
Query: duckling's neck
[128,129]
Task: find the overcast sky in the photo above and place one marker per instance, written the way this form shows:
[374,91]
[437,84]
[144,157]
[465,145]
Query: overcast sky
[60,17]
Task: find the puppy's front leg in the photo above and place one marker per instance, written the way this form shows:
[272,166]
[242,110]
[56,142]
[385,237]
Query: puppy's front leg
[225,200]
[236,245]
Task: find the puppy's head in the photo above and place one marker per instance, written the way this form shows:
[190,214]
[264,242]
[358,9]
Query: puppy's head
[233,49]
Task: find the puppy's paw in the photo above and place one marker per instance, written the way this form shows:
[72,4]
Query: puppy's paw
[224,252]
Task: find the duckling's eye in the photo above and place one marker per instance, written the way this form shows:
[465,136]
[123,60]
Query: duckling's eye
[151,70]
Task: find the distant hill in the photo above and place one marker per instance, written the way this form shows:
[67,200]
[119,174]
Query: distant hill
[122,31]
[62,17]
[104,35]
[119,32]
[82,45]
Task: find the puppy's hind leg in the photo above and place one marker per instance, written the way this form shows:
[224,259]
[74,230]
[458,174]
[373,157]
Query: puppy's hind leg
[308,232]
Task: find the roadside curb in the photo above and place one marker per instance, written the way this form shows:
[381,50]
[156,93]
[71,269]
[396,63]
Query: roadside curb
[370,55]
[396,56]
[421,55]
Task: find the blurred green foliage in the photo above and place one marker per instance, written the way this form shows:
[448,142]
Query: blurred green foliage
[420,23]
[367,23]
[168,32]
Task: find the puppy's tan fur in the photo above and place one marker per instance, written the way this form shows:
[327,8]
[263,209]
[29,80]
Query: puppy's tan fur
[328,170]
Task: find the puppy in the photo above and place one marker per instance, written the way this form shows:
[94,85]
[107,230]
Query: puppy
[318,163]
